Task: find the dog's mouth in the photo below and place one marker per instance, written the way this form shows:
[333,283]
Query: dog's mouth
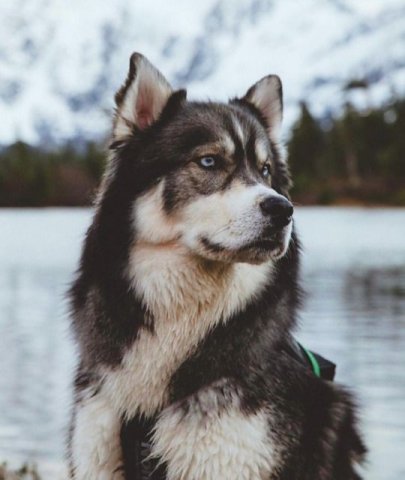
[271,241]
[262,244]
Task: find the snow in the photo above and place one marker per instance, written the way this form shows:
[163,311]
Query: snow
[61,62]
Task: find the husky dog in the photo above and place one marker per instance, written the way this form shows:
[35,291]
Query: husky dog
[186,296]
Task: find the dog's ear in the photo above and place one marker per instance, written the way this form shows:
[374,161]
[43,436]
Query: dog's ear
[141,99]
[267,97]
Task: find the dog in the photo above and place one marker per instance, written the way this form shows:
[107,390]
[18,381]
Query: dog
[186,296]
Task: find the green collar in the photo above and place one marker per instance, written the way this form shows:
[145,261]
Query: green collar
[313,361]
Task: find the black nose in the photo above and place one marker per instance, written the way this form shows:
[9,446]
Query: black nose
[278,208]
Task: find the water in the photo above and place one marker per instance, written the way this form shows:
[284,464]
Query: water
[353,271]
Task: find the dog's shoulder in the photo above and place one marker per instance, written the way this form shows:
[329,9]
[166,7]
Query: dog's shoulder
[308,426]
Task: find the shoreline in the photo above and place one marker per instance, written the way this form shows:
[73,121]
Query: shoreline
[342,203]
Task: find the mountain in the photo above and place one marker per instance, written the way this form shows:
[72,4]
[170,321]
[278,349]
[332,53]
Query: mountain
[61,62]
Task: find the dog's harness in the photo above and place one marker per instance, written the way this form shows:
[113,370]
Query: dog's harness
[319,366]
[136,434]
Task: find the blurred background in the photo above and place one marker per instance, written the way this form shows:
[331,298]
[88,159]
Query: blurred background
[342,63]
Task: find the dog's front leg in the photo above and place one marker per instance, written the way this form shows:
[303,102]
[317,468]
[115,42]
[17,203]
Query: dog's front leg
[94,447]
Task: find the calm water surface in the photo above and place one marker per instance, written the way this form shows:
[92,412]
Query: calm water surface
[354,275]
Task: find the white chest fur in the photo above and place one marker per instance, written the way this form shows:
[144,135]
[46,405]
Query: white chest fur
[203,442]
[186,298]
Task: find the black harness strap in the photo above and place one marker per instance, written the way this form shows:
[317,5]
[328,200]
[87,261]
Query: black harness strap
[320,366]
[136,448]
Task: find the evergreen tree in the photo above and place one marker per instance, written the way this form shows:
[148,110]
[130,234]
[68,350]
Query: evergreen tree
[306,145]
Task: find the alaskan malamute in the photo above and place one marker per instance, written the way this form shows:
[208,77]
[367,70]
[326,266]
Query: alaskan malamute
[185,299]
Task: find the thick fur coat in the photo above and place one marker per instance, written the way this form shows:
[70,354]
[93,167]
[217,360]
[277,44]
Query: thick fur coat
[186,296]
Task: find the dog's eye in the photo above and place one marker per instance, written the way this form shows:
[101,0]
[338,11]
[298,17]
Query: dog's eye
[207,162]
[266,170]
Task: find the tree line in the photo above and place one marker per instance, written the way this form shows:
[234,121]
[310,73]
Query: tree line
[31,176]
[356,157]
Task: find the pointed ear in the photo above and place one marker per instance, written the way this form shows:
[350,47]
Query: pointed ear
[267,96]
[141,99]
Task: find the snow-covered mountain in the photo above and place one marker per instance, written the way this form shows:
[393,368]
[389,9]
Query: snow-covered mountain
[61,61]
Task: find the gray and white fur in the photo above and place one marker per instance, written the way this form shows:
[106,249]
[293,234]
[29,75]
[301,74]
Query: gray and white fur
[186,296]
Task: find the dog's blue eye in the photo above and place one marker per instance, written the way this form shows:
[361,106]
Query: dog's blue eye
[207,162]
[266,171]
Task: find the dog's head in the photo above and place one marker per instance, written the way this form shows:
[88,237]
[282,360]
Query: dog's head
[207,177]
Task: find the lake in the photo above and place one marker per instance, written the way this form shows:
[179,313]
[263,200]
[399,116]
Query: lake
[354,314]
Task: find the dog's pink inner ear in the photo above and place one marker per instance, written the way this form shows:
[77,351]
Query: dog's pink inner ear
[153,93]
[144,120]
[144,116]
[266,95]
[141,99]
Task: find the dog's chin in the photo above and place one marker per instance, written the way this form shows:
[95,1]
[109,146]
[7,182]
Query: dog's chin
[254,251]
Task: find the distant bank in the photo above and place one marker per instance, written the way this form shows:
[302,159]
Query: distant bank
[357,158]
